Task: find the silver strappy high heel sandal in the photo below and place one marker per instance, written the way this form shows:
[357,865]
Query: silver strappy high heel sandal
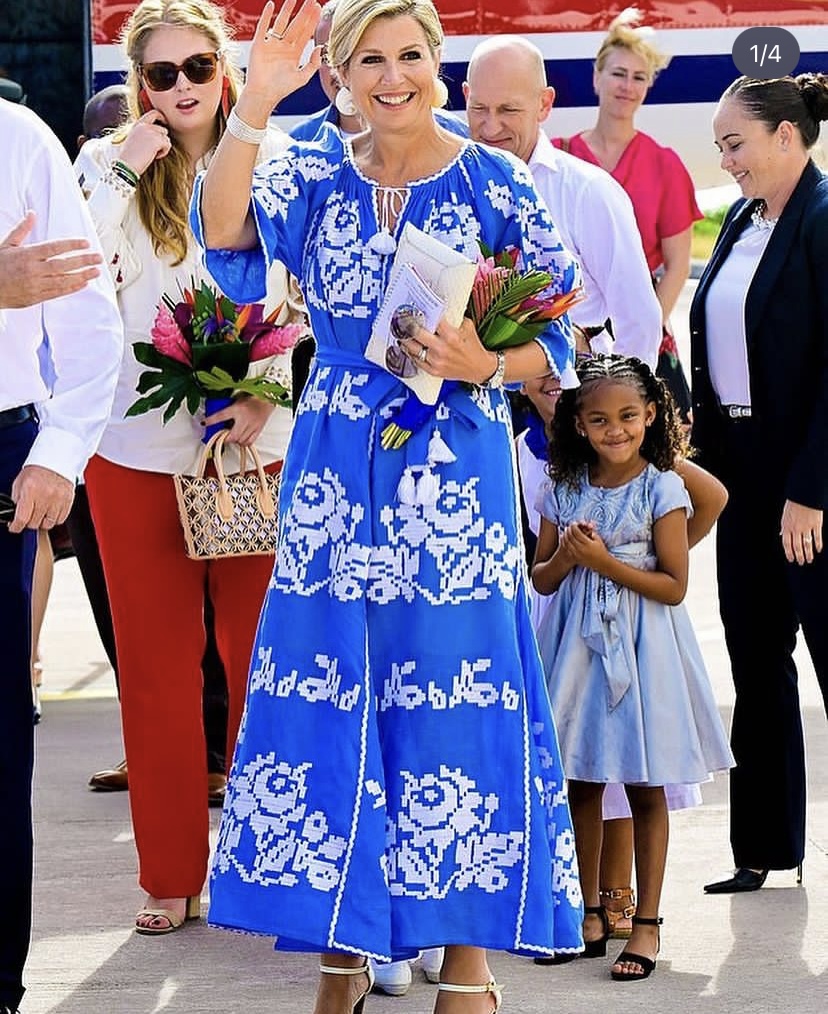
[490,987]
[359,970]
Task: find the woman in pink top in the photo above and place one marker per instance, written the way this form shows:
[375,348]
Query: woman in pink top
[658,184]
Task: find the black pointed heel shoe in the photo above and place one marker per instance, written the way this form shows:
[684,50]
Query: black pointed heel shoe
[742,880]
[647,964]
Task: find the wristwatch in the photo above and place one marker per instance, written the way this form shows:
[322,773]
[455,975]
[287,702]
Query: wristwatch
[499,375]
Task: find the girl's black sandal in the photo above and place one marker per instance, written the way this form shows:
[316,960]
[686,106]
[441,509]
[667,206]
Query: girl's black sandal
[592,948]
[597,948]
[647,964]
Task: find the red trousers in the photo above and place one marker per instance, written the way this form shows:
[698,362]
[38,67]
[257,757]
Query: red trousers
[157,598]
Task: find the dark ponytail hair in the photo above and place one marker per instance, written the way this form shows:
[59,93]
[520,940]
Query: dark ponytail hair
[664,441]
[801,100]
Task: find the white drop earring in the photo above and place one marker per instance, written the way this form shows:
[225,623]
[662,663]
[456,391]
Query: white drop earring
[441,95]
[344,103]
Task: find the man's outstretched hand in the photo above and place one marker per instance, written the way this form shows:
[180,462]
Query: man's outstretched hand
[33,274]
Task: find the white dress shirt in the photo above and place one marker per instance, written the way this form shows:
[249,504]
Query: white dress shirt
[71,378]
[533,475]
[141,278]
[595,218]
[727,357]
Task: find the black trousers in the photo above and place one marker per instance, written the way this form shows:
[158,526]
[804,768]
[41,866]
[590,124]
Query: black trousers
[214,701]
[17,554]
[764,601]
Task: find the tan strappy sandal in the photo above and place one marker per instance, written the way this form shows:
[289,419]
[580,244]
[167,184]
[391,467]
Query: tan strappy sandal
[619,904]
[192,910]
[490,987]
[359,970]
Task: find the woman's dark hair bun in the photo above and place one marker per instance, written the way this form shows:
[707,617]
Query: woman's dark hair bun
[814,91]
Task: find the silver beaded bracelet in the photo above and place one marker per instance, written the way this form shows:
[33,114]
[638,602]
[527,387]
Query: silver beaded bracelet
[243,131]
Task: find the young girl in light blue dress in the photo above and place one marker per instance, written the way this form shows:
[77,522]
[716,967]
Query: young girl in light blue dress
[629,690]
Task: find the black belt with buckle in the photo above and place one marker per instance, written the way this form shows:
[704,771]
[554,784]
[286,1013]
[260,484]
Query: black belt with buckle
[737,411]
[15,416]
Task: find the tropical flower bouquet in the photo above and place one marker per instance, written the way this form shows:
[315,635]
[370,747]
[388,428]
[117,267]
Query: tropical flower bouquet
[508,308]
[202,347]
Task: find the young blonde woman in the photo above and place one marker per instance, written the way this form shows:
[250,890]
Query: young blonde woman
[182,85]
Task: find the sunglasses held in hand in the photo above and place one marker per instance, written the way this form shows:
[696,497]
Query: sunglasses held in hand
[162,75]
[7,509]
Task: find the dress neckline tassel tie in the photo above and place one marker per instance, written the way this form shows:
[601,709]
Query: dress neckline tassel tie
[390,202]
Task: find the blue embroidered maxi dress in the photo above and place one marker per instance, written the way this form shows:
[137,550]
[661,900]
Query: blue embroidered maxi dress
[397,781]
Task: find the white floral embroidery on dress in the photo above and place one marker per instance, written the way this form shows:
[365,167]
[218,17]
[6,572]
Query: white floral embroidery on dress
[442,551]
[456,225]
[320,515]
[537,247]
[275,201]
[466,688]
[291,845]
[344,278]
[500,197]
[442,840]
[344,399]
[341,399]
[324,687]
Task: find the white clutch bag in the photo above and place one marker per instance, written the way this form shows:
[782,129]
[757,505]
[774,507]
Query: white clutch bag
[447,278]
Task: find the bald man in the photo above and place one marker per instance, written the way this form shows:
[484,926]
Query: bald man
[507,101]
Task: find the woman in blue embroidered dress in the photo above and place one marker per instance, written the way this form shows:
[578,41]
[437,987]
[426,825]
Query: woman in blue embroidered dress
[397,782]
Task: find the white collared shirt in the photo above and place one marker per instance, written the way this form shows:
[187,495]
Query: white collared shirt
[142,277]
[596,221]
[62,355]
[727,357]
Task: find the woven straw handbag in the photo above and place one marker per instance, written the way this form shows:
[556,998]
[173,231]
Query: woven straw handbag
[225,515]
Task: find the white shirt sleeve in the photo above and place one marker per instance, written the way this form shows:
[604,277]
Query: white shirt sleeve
[613,258]
[83,330]
[108,206]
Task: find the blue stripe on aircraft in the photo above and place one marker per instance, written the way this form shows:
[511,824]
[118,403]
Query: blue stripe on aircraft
[687,79]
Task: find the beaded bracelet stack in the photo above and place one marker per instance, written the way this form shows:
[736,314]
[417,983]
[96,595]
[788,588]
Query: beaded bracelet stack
[243,131]
[123,178]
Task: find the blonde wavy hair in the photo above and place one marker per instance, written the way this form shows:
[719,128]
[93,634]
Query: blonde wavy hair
[627,32]
[164,190]
[352,17]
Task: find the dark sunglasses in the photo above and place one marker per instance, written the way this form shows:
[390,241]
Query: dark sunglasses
[162,75]
[7,509]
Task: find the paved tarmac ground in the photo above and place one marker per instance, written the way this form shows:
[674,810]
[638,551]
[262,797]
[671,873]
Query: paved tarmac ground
[763,952]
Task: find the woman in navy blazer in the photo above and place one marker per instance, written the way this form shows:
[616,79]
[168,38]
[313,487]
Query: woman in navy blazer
[759,335]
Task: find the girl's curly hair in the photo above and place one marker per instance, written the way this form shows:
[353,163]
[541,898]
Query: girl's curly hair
[664,440]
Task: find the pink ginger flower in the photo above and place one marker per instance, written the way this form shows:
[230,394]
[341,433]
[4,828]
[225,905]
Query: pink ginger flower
[167,337]
[274,341]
